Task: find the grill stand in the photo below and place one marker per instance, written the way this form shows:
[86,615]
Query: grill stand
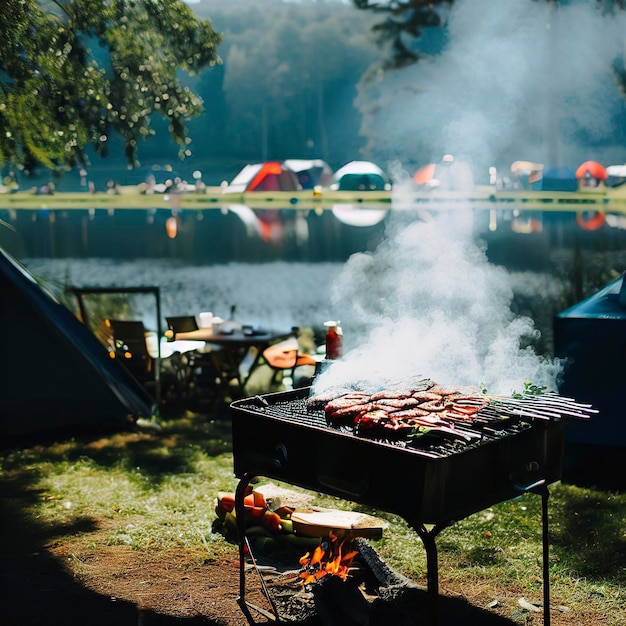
[427,536]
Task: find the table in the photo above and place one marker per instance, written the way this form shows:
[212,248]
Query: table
[170,347]
[237,344]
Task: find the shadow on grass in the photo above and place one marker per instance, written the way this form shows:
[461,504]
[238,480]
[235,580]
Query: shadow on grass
[36,589]
[172,448]
[590,537]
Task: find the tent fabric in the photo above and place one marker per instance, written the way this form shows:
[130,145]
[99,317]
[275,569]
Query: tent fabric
[56,374]
[360,176]
[269,176]
[448,175]
[557,179]
[310,172]
[616,175]
[592,168]
[424,174]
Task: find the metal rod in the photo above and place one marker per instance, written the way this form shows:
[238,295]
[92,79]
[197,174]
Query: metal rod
[541,488]
[244,545]
[241,535]
[546,555]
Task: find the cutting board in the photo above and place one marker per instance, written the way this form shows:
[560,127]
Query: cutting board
[319,522]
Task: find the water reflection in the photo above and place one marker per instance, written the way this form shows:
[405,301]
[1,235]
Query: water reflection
[235,232]
[228,233]
[356,215]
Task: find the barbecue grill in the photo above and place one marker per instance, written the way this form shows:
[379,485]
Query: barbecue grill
[280,436]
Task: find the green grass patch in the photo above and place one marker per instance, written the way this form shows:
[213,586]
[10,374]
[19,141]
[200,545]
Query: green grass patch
[159,489]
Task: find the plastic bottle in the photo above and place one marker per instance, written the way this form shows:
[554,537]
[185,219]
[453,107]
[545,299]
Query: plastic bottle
[334,340]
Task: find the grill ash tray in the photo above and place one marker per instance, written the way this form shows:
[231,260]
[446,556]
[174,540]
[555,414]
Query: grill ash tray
[278,436]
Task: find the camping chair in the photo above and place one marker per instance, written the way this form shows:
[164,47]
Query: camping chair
[203,370]
[128,345]
[285,358]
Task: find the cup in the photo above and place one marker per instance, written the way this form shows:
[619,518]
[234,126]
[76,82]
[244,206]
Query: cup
[217,324]
[206,319]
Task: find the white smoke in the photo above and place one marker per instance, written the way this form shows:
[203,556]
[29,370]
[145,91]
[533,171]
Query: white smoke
[428,303]
[516,80]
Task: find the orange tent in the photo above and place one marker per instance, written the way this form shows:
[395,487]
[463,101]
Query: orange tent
[592,168]
[273,176]
[269,176]
[424,174]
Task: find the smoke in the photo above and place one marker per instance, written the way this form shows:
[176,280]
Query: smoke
[517,79]
[428,303]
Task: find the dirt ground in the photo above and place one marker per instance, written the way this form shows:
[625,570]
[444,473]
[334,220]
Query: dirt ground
[47,581]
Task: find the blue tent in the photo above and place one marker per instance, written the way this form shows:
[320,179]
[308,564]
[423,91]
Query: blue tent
[56,375]
[557,179]
[590,337]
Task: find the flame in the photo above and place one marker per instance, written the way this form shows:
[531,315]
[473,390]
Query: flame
[333,557]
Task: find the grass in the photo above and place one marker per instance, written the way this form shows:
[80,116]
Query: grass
[158,490]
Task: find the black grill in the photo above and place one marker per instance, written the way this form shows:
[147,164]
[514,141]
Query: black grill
[279,436]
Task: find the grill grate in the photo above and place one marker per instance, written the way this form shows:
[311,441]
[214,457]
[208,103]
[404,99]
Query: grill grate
[298,411]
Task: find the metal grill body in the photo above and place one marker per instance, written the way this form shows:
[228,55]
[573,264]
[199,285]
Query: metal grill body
[280,438]
[431,486]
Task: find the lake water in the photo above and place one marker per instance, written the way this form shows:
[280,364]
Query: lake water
[428,298]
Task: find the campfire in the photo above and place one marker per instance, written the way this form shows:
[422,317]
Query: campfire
[333,556]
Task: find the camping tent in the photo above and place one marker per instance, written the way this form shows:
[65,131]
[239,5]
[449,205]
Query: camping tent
[269,176]
[556,179]
[55,374]
[310,172]
[447,175]
[360,176]
[616,175]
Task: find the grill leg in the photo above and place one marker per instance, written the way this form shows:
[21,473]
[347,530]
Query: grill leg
[541,488]
[244,545]
[240,493]
[432,564]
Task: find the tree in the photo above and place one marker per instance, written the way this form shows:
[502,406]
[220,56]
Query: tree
[75,71]
[405,21]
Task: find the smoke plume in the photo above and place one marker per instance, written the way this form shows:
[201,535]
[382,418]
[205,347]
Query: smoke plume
[428,303]
[516,80]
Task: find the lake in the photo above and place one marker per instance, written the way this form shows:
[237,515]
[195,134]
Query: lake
[459,292]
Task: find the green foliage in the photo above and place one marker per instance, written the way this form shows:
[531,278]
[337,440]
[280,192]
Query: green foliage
[405,22]
[74,74]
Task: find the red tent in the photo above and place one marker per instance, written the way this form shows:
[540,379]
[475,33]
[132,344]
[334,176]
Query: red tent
[269,176]
[273,176]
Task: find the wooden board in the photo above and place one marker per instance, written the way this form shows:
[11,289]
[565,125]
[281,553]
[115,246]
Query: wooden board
[319,523]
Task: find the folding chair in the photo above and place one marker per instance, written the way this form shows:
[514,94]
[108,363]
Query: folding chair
[128,345]
[285,358]
[201,369]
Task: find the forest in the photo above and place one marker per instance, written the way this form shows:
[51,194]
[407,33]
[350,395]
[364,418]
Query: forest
[313,79]
[285,88]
